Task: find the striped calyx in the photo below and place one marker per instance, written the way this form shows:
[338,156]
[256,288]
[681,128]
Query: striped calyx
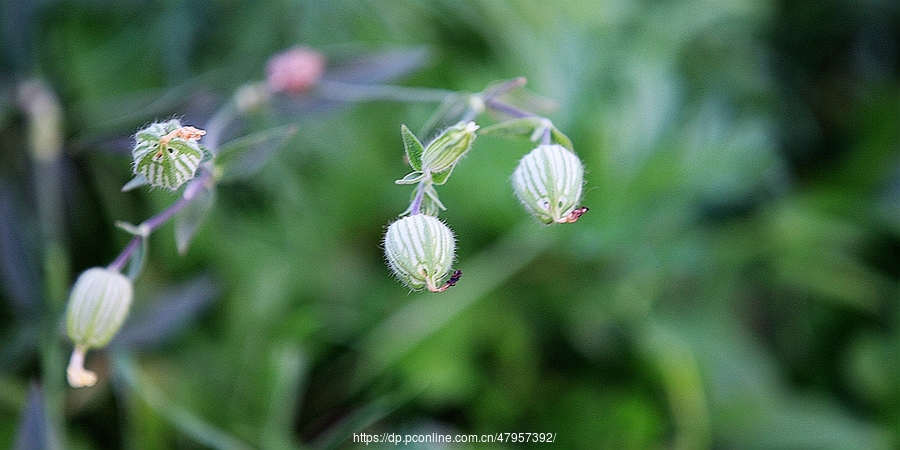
[167,154]
[420,250]
[98,305]
[449,147]
[548,182]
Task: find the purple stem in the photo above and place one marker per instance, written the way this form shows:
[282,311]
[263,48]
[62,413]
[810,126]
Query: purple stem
[193,188]
[417,202]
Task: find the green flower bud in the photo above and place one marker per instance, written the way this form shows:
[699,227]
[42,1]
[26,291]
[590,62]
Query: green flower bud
[449,147]
[420,249]
[167,154]
[97,307]
[548,182]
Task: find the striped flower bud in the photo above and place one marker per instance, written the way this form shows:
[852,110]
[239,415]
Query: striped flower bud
[449,147]
[548,182]
[98,305]
[167,154]
[420,249]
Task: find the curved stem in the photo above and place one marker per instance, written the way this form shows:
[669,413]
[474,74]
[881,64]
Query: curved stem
[148,226]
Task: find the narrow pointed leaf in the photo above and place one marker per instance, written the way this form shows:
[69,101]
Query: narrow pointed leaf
[188,221]
[559,138]
[431,194]
[452,110]
[33,431]
[167,313]
[413,147]
[242,157]
[411,178]
[137,260]
[129,228]
[520,127]
[136,182]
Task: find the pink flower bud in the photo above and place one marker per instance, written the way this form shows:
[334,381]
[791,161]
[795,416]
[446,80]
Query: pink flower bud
[295,70]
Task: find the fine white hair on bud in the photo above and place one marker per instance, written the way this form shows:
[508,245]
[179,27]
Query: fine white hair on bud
[99,302]
[420,250]
[548,182]
[167,154]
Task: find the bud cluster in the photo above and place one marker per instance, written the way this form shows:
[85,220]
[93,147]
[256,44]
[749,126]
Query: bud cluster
[547,181]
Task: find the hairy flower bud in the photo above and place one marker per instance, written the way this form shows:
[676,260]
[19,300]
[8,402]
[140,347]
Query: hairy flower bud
[449,147]
[420,249]
[167,154]
[548,182]
[98,305]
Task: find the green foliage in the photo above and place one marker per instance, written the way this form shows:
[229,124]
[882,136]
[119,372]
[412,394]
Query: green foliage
[734,284]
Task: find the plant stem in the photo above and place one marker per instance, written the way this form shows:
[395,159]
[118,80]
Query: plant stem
[335,90]
[416,206]
[196,186]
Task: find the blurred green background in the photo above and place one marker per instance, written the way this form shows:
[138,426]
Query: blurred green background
[734,284]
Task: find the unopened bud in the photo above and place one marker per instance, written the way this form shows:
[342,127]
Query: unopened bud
[420,249]
[294,71]
[167,154]
[97,307]
[548,182]
[449,147]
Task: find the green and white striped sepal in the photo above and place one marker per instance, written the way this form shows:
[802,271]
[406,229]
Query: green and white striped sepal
[167,154]
[548,183]
[420,249]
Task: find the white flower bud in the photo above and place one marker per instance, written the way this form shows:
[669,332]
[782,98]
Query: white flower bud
[98,305]
[548,182]
[420,249]
[167,154]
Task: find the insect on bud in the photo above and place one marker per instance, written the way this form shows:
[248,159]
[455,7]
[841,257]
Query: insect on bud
[420,249]
[167,154]
[449,147]
[548,183]
[98,305]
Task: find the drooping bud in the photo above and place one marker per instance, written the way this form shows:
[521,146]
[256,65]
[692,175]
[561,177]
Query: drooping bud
[167,154]
[548,182]
[420,249]
[449,147]
[98,305]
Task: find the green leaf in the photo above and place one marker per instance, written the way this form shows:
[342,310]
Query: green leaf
[558,137]
[411,178]
[520,127]
[207,155]
[413,147]
[136,182]
[242,157]
[532,128]
[188,221]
